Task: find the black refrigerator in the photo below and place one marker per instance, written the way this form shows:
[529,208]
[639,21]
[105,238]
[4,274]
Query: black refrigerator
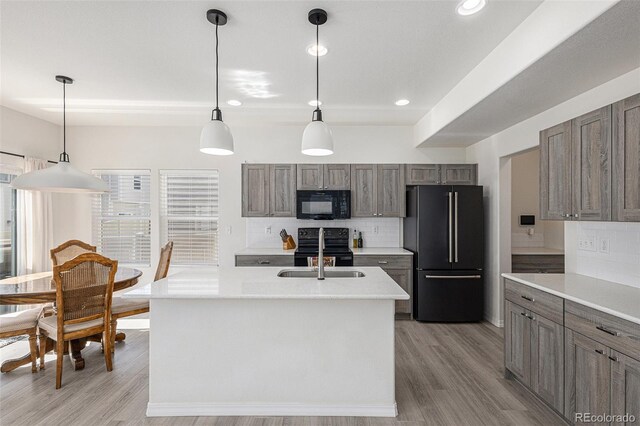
[444,228]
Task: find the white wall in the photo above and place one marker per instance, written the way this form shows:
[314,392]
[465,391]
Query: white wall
[157,148]
[491,155]
[26,135]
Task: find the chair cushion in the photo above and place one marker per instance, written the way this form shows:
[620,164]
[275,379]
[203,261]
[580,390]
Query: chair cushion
[19,320]
[50,325]
[120,305]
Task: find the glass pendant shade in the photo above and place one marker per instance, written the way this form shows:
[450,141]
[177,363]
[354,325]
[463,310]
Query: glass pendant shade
[61,177]
[216,138]
[317,139]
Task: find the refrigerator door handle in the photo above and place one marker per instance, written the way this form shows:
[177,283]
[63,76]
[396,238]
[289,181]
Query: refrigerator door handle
[453,277]
[450,196]
[455,229]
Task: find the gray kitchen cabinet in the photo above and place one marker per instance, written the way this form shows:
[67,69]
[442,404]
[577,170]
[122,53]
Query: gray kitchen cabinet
[377,190]
[422,174]
[255,190]
[282,190]
[625,387]
[364,190]
[626,163]
[459,174]
[324,176]
[555,172]
[309,176]
[399,268]
[264,260]
[391,190]
[537,263]
[591,165]
[268,190]
[517,342]
[547,361]
[587,376]
[337,176]
[445,174]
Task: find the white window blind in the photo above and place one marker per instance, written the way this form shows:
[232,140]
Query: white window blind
[189,215]
[122,216]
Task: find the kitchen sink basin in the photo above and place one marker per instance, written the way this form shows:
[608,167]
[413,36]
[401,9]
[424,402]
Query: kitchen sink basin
[293,273]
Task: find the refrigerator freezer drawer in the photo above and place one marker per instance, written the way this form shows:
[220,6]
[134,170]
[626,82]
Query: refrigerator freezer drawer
[454,296]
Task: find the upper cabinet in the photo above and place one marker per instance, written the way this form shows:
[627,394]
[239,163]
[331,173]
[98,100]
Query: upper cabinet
[268,190]
[377,190]
[324,176]
[555,172]
[626,163]
[441,174]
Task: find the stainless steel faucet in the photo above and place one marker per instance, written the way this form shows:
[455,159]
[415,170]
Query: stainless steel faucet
[321,254]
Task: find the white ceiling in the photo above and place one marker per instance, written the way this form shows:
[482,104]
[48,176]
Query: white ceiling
[151,63]
[605,49]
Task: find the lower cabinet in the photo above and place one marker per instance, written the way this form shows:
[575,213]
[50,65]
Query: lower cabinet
[269,260]
[398,267]
[534,353]
[625,389]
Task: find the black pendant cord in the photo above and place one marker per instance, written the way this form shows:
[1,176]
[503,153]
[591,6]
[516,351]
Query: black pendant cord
[217,65]
[317,67]
[64,156]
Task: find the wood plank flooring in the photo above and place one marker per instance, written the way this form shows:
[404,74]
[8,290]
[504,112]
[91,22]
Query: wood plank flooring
[446,374]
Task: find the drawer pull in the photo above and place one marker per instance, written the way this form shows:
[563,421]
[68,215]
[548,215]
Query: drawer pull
[606,330]
[613,358]
[263,262]
[600,351]
[530,299]
[382,262]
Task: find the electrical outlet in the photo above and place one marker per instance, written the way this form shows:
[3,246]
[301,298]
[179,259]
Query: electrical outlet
[375,229]
[588,243]
[267,230]
[229,230]
[603,245]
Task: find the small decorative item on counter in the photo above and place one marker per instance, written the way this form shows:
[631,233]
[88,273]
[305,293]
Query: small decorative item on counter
[360,242]
[355,239]
[287,240]
[328,261]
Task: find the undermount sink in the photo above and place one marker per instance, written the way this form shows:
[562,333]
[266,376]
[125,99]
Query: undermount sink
[293,273]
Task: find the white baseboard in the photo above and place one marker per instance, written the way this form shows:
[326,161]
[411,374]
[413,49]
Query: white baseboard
[159,409]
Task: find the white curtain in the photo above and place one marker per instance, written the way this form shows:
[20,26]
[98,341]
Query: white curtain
[35,225]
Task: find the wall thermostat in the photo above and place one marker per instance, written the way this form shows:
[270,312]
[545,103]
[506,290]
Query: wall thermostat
[527,220]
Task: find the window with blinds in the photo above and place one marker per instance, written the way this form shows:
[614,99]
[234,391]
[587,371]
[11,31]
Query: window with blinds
[122,216]
[189,215]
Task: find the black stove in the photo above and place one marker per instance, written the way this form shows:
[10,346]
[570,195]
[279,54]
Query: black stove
[336,244]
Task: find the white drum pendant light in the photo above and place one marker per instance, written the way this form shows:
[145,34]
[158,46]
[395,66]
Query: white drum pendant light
[216,138]
[61,177]
[317,138]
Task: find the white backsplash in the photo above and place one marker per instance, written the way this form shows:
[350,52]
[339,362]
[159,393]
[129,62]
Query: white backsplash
[605,250]
[376,232]
[522,239]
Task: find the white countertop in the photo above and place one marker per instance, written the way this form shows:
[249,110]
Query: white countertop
[263,283]
[616,299]
[535,251]
[373,251]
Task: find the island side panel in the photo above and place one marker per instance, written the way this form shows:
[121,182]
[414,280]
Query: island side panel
[272,357]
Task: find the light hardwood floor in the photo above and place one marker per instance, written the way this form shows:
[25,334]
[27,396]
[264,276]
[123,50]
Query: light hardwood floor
[446,374]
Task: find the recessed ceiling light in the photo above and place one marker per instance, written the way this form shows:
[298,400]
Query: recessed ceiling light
[402,102]
[315,103]
[469,7]
[317,50]
[234,102]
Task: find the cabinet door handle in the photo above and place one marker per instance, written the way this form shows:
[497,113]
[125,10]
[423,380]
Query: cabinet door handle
[382,262]
[263,262]
[613,358]
[600,351]
[606,330]
[530,299]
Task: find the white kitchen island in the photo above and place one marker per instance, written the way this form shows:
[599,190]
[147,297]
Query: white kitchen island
[245,342]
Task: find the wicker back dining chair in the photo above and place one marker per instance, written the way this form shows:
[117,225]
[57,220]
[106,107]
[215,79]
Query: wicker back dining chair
[68,250]
[22,323]
[128,307]
[84,289]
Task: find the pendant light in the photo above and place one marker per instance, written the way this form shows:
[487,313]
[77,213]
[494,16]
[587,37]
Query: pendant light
[216,138]
[61,177]
[317,138]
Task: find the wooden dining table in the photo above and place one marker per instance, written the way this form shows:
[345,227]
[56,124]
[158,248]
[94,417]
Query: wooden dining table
[40,288]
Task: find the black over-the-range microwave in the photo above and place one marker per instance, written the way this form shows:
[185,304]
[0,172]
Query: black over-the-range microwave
[323,205]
